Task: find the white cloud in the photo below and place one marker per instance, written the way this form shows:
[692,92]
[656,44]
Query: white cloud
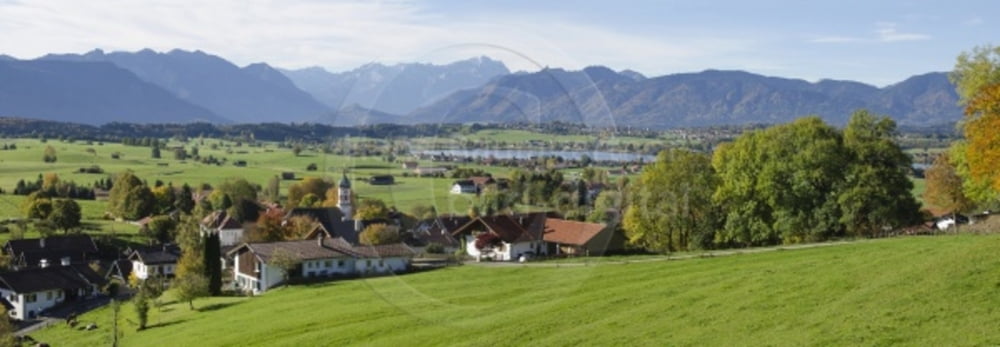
[887,32]
[340,35]
[884,32]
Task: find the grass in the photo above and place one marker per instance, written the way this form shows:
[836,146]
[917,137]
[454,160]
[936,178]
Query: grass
[926,291]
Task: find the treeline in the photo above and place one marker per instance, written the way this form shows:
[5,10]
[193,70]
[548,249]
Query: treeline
[804,181]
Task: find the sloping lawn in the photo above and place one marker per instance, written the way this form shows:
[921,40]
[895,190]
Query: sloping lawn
[927,291]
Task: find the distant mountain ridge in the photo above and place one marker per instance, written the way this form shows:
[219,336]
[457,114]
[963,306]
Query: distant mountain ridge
[600,96]
[253,94]
[181,86]
[396,89]
[89,92]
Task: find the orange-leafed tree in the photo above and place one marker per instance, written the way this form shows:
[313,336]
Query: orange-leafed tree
[944,186]
[982,131]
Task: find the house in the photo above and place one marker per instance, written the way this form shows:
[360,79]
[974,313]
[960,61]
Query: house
[568,237]
[410,165]
[221,222]
[119,270]
[30,292]
[436,231]
[156,261]
[514,236]
[257,266]
[464,187]
[28,253]
[381,180]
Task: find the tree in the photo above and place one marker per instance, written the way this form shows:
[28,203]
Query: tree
[371,209]
[379,234]
[65,214]
[37,206]
[213,264]
[945,186]
[672,209]
[50,154]
[155,152]
[129,198]
[6,329]
[161,228]
[273,190]
[421,211]
[310,200]
[876,193]
[190,287]
[184,201]
[779,184]
[297,149]
[240,191]
[298,227]
[141,304]
[977,79]
[165,199]
[269,228]
[314,185]
[285,261]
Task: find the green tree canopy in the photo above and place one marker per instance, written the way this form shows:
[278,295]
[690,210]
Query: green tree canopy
[672,207]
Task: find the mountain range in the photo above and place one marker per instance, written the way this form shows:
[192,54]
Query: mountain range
[396,89]
[183,86]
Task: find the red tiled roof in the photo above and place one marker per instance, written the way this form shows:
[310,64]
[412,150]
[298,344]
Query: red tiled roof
[571,232]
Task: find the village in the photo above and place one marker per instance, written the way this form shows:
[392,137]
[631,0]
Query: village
[59,271]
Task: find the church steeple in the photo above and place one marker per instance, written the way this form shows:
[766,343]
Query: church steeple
[344,197]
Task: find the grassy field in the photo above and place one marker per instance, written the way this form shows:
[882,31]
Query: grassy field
[926,291]
[262,164]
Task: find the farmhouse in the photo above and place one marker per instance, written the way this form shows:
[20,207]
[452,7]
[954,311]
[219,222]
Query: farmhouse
[437,231]
[220,222]
[72,249]
[32,291]
[464,187]
[258,266]
[509,236]
[567,237]
[155,261]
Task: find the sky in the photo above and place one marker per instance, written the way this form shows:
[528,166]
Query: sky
[876,42]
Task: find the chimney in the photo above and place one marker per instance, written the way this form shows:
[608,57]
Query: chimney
[41,242]
[319,239]
[44,263]
[64,261]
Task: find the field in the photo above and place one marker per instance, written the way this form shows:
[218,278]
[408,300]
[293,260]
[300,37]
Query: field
[927,291]
[262,164]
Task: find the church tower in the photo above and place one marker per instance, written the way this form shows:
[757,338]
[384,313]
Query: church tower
[344,197]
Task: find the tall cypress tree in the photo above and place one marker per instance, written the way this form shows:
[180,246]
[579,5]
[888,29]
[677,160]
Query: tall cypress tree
[213,263]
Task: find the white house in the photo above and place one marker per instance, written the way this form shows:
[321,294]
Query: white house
[219,222]
[155,261]
[32,291]
[256,266]
[510,236]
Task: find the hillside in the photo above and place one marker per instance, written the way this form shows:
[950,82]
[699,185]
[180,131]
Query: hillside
[252,94]
[600,96]
[397,89]
[905,291]
[89,92]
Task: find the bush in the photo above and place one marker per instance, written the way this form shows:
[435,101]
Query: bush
[434,248]
[311,167]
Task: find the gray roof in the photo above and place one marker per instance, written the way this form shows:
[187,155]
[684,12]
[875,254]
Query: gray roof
[163,254]
[49,278]
[331,248]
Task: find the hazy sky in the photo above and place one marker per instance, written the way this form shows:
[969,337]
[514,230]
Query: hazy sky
[878,42]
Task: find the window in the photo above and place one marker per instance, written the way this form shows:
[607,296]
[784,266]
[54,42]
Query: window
[48,295]
[30,298]
[340,263]
[381,263]
[59,294]
[328,263]
[368,263]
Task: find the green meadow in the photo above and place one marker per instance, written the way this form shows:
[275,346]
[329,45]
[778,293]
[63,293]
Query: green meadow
[918,291]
